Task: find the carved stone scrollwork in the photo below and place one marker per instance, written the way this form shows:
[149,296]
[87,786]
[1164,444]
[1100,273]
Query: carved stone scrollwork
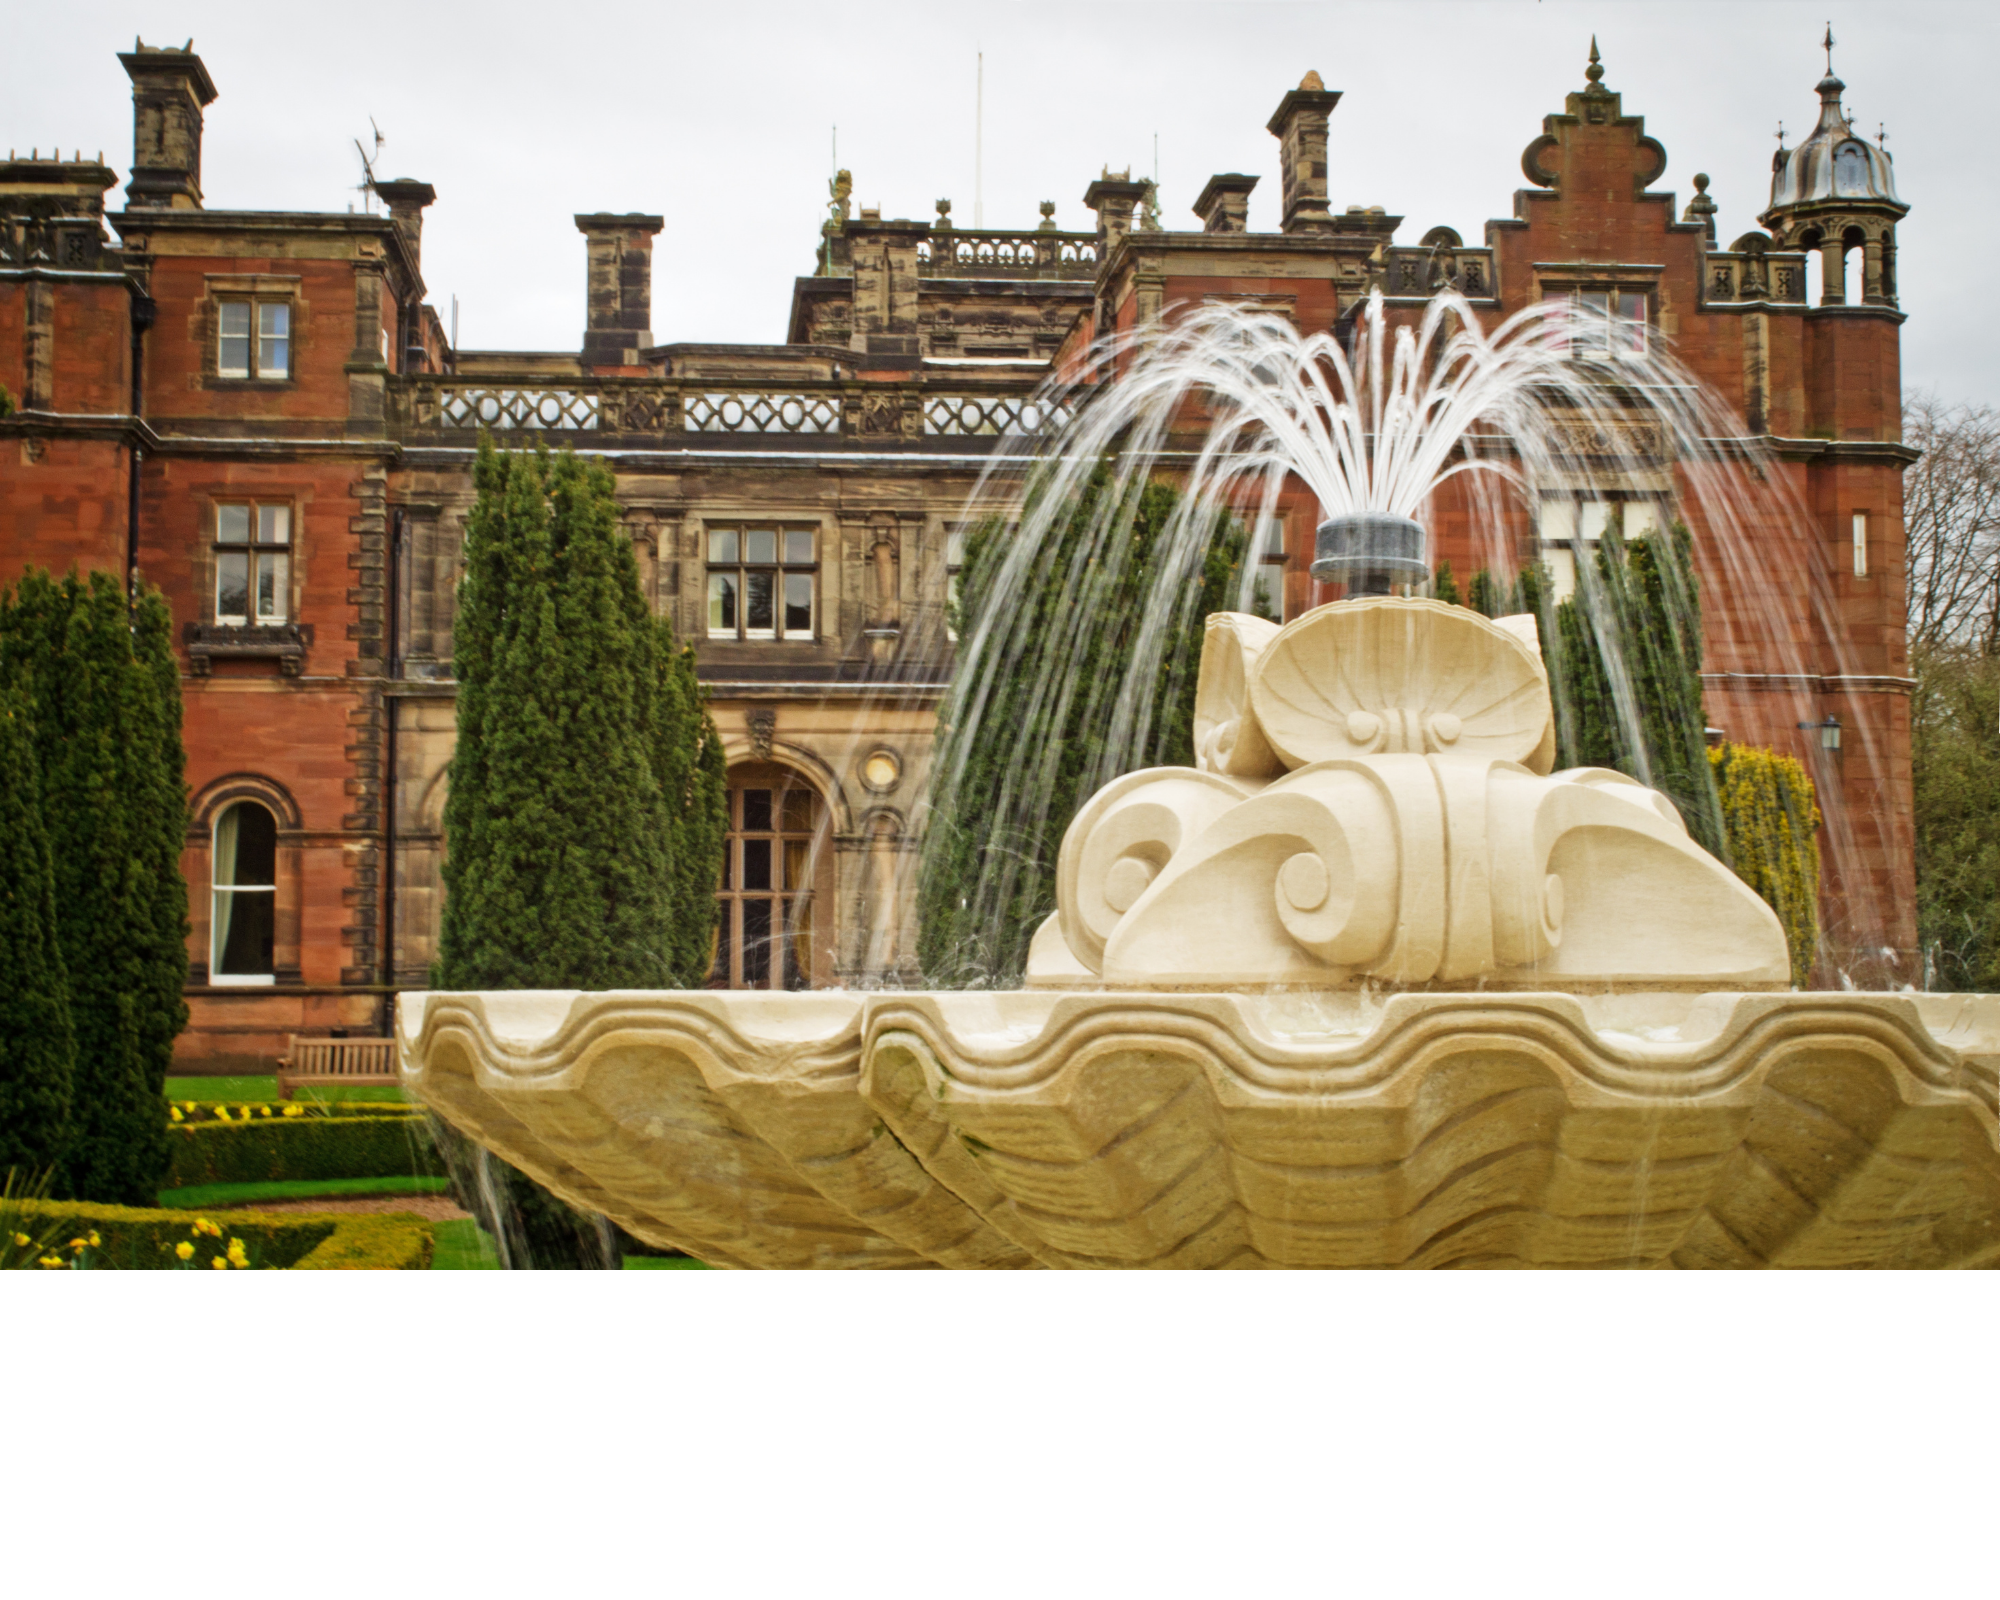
[1374,804]
[763,727]
[881,413]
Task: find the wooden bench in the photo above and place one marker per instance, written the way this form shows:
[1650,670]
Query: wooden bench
[369,1061]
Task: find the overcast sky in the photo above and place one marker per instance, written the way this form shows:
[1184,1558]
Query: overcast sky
[721,117]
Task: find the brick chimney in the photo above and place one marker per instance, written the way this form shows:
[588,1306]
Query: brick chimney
[1113,199]
[620,321]
[169,88]
[1224,205]
[1300,124]
[406,199]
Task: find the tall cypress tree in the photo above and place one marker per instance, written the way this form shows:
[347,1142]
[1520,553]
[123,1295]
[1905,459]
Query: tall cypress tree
[585,822]
[105,698]
[974,925]
[37,1048]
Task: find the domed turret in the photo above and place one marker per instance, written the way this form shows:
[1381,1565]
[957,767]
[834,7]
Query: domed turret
[1837,192]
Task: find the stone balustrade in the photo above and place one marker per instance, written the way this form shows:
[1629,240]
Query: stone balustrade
[670,407]
[995,254]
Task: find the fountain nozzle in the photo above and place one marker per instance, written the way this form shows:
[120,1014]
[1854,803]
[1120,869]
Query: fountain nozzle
[1370,552]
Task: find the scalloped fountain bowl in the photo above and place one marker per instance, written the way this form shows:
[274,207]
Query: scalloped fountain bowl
[1369,986]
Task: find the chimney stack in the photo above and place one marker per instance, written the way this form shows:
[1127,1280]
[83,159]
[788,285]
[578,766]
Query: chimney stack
[621,287]
[406,199]
[1300,124]
[1224,205]
[169,89]
[1113,199]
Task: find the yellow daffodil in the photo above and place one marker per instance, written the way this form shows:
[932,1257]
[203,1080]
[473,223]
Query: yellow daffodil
[264,1111]
[295,1111]
[222,1113]
[94,1240]
[238,1255]
[219,1264]
[21,1240]
[79,1245]
[175,1113]
[184,1250]
[54,1261]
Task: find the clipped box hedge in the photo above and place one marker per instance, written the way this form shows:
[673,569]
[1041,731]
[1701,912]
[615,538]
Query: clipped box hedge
[303,1147]
[136,1239]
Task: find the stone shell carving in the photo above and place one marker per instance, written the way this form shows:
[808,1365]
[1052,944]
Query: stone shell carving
[1235,1130]
[1391,677]
[1416,839]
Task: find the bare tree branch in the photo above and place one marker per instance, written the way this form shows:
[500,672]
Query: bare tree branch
[1951,517]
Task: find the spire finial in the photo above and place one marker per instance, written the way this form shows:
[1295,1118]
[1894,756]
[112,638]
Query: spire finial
[1827,45]
[1595,71]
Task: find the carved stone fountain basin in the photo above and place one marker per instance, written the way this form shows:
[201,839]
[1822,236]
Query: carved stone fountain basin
[1292,1129]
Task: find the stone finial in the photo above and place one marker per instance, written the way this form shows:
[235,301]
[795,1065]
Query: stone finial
[1701,209]
[1313,81]
[1048,222]
[1595,71]
[943,223]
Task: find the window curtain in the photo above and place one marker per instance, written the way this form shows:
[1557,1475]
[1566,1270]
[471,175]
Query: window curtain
[223,874]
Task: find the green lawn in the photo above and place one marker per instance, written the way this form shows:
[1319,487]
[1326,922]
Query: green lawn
[266,1088]
[201,1195]
[461,1247]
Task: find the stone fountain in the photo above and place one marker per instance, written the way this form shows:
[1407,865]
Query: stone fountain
[1370,985]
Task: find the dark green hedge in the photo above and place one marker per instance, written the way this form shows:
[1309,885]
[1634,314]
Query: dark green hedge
[132,1238]
[302,1147]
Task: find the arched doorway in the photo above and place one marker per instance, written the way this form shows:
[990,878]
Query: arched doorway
[776,925]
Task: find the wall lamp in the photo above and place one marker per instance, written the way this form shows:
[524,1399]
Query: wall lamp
[1828,731]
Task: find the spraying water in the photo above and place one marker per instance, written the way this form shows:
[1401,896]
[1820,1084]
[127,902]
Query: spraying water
[1378,429]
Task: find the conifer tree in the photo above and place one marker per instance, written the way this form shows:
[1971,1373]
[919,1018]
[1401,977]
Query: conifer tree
[585,821]
[1444,587]
[104,693]
[974,927]
[1483,594]
[37,1049]
[1640,597]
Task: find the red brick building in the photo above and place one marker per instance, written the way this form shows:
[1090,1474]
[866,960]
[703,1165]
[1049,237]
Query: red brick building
[260,413]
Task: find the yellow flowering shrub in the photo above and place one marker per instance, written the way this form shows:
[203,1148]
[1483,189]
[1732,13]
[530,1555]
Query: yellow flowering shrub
[1770,814]
[135,1237]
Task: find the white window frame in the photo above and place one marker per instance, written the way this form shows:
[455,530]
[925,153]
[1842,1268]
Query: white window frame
[268,549]
[266,337]
[730,552]
[1629,337]
[217,922]
[1861,544]
[1566,523]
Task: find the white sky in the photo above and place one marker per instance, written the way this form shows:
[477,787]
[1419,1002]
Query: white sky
[720,116]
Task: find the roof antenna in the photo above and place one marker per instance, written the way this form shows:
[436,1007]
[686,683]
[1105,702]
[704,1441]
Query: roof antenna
[367,183]
[979,143]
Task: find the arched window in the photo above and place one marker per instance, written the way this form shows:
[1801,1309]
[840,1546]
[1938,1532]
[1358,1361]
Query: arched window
[244,875]
[774,875]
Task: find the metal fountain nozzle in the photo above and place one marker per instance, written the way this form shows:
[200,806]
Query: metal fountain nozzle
[1370,552]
